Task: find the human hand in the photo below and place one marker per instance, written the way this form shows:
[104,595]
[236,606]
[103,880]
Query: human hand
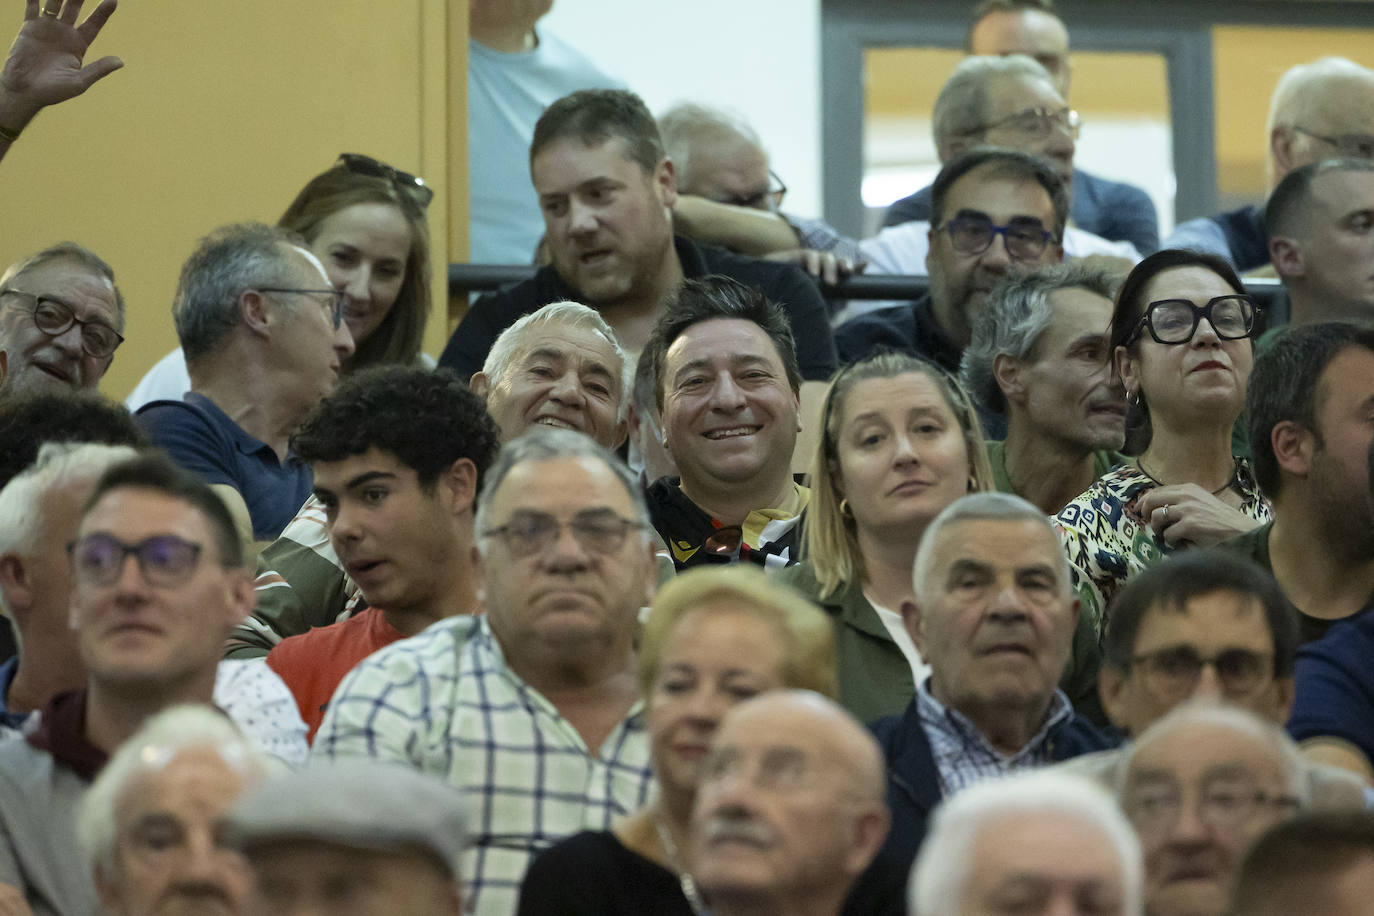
[44,66]
[12,902]
[1187,512]
[823,265]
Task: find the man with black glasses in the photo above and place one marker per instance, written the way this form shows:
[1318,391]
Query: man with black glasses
[264,339]
[531,708]
[995,212]
[60,320]
[158,581]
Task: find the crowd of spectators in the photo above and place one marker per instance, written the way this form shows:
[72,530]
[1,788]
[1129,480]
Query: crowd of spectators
[1070,612]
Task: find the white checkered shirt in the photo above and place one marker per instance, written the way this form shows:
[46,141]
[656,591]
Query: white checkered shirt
[963,756]
[446,703]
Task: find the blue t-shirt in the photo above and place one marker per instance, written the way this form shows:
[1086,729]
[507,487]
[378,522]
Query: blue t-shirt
[1334,689]
[202,438]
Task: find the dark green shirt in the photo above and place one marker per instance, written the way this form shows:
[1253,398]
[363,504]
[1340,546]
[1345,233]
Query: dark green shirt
[997,454]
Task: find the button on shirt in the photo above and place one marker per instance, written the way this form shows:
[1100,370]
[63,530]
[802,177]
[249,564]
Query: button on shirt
[963,756]
[446,703]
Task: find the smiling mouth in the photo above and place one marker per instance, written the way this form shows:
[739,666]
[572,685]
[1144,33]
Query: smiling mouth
[733,432]
[557,423]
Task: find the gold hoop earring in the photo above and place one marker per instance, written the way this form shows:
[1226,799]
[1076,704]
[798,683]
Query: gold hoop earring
[844,509]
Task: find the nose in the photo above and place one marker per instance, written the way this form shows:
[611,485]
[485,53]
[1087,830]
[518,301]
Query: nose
[725,394]
[345,525]
[356,282]
[581,218]
[1209,683]
[904,449]
[1189,827]
[566,553]
[1060,144]
[69,341]
[708,705]
[997,256]
[1205,335]
[130,578]
[567,389]
[343,341]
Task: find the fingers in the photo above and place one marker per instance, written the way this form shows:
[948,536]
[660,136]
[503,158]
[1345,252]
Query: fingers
[70,10]
[30,10]
[95,72]
[96,20]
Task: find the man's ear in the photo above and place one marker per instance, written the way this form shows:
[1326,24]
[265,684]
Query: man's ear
[480,385]
[622,431]
[665,180]
[244,597]
[870,830]
[1006,371]
[1125,370]
[1286,255]
[912,620]
[458,484]
[1281,149]
[1293,447]
[14,582]
[254,313]
[4,366]
[1283,698]
[1111,689]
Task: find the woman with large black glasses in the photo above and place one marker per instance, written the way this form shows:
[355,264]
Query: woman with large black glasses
[365,221]
[1181,337]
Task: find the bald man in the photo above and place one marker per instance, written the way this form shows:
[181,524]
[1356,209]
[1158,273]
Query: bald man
[790,809]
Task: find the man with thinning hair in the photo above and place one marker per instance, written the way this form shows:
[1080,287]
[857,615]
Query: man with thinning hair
[1318,110]
[1040,356]
[531,708]
[264,337]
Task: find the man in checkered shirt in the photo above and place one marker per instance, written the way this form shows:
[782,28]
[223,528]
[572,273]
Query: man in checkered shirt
[531,708]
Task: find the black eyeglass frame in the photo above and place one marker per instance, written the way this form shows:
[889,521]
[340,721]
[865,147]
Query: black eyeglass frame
[1152,663]
[995,230]
[1351,145]
[411,185]
[160,579]
[335,312]
[1146,322]
[72,320]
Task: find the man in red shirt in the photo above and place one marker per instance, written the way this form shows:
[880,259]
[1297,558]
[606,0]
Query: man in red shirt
[398,456]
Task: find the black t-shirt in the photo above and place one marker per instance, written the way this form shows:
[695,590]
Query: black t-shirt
[784,284]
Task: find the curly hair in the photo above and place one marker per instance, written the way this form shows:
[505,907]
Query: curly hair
[427,420]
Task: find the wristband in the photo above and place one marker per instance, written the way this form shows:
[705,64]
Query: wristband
[9,136]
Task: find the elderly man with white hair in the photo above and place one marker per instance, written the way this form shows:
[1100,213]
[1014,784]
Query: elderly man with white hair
[1319,110]
[995,617]
[1200,785]
[152,824]
[560,366]
[1041,842]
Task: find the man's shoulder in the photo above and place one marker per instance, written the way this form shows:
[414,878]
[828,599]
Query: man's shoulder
[512,302]
[1076,736]
[1253,545]
[1109,191]
[780,282]
[894,326]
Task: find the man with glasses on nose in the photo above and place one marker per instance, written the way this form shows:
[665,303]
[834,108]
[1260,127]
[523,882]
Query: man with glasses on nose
[996,213]
[1200,786]
[60,320]
[157,582]
[264,339]
[530,708]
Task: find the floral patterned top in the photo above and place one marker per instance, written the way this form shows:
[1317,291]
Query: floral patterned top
[1107,541]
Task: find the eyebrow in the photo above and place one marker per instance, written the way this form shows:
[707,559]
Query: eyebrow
[914,411]
[739,359]
[356,482]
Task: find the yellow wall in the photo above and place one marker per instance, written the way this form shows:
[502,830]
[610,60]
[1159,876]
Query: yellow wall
[1248,62]
[223,110]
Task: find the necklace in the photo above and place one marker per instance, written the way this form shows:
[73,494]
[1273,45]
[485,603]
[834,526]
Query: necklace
[689,886]
[1231,481]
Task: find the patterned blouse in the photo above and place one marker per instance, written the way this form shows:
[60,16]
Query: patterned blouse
[1107,541]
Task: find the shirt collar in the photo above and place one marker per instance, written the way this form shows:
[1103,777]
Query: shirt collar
[955,725]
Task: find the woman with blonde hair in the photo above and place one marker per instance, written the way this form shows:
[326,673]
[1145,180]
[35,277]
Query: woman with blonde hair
[899,442]
[715,636]
[365,221]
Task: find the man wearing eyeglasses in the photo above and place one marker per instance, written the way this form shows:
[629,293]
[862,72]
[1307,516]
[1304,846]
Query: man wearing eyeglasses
[1200,786]
[264,339]
[531,708]
[996,213]
[60,320]
[157,581]
[1319,110]
[1320,222]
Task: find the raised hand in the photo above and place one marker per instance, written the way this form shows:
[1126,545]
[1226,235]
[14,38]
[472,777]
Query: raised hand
[44,66]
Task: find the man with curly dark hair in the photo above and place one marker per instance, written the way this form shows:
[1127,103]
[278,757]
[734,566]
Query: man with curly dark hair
[398,456]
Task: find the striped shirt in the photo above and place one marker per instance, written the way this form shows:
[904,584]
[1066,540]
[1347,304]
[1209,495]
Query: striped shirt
[963,756]
[446,703]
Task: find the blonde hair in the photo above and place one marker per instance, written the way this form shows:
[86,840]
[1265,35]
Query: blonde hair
[808,637]
[832,543]
[397,339]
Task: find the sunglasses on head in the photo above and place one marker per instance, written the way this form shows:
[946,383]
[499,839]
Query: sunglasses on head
[411,185]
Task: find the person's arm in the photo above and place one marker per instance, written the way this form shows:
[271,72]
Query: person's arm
[1338,752]
[44,66]
[765,234]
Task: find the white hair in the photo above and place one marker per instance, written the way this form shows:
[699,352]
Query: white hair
[1216,715]
[992,506]
[687,124]
[574,314]
[961,108]
[155,745]
[1302,89]
[940,876]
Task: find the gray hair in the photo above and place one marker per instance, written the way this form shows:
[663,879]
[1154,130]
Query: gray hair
[687,124]
[573,314]
[940,876]
[961,108]
[1018,311]
[68,251]
[155,745]
[60,465]
[544,443]
[980,507]
[226,263]
[1303,89]
[1206,711]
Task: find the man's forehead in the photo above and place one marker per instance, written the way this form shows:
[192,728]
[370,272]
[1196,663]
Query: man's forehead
[1023,31]
[567,341]
[312,270]
[71,282]
[986,541]
[1007,95]
[142,509]
[563,164]
[561,485]
[1000,197]
[1201,749]
[1341,192]
[720,339]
